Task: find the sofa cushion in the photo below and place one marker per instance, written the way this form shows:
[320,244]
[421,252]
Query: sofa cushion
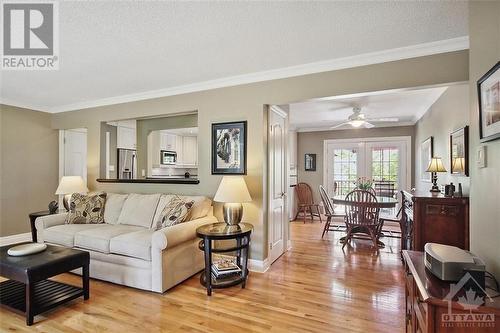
[113,207]
[200,208]
[86,208]
[139,210]
[64,234]
[164,200]
[133,244]
[175,212]
[98,239]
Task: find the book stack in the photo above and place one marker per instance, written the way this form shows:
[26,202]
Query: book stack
[225,268]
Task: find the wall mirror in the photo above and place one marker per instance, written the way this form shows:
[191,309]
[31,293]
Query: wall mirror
[150,150]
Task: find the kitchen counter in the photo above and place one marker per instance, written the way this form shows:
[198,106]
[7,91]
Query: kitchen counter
[155,180]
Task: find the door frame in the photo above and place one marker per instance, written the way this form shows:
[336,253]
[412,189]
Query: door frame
[406,139]
[286,173]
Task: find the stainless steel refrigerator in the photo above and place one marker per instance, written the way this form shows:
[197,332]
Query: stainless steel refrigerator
[127,164]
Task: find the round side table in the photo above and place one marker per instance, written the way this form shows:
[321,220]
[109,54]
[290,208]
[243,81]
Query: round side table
[221,231]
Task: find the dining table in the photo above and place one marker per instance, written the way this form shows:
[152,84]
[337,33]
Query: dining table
[382,202]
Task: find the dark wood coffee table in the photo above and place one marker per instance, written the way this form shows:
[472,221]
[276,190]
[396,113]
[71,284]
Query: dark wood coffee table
[28,289]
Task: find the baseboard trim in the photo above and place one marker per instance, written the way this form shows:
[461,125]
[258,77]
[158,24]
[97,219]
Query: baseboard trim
[258,266]
[17,238]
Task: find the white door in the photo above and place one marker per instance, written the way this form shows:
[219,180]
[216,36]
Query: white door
[386,161]
[277,183]
[75,153]
[383,160]
[344,166]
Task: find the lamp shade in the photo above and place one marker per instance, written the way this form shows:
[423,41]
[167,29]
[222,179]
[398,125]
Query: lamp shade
[71,184]
[458,165]
[436,165]
[232,189]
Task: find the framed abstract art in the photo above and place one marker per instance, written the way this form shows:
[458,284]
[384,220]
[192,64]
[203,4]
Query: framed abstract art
[229,148]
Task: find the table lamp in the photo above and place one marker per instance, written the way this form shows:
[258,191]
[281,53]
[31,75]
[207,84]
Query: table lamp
[435,166]
[232,192]
[69,185]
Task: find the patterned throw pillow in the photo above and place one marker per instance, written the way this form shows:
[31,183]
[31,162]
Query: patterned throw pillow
[86,208]
[176,211]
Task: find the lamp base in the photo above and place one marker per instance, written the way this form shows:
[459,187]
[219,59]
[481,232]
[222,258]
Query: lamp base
[233,212]
[435,187]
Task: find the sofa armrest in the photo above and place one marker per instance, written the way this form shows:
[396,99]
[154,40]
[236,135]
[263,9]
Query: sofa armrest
[171,236]
[48,221]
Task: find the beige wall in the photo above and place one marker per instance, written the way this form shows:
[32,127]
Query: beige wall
[29,166]
[146,126]
[312,142]
[484,34]
[246,102]
[448,113]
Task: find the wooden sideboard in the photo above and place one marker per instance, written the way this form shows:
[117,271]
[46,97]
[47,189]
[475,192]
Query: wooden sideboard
[438,219]
[428,309]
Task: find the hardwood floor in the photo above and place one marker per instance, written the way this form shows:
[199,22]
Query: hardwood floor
[314,287]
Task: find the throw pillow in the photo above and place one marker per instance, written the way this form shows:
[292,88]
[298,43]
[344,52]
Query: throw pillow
[176,211]
[86,208]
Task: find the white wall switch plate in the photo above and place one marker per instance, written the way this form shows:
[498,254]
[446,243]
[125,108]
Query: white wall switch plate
[143,172]
[111,168]
[481,157]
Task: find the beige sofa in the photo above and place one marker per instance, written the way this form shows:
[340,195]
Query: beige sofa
[126,249]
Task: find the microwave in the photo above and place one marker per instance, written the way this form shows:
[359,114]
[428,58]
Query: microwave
[168,157]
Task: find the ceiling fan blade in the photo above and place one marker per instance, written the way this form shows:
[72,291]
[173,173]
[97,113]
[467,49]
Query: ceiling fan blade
[386,120]
[368,125]
[339,125]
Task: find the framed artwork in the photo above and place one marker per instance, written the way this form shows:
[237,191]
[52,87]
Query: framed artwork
[426,153]
[488,89]
[229,148]
[459,151]
[310,162]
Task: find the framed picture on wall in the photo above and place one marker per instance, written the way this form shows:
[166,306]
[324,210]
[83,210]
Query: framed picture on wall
[426,153]
[488,89]
[229,148]
[459,151]
[310,162]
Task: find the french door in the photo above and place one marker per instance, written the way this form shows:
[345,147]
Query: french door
[385,161]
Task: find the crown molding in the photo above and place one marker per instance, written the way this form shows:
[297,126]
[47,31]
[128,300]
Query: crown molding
[17,104]
[412,51]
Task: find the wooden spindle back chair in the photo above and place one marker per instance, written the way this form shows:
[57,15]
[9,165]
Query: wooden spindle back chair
[362,215]
[329,209]
[305,202]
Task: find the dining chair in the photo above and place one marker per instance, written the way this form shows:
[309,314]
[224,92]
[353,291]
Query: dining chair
[362,215]
[404,221]
[385,188]
[305,202]
[329,210]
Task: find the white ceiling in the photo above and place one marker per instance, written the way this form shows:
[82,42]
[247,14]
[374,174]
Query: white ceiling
[406,105]
[109,50]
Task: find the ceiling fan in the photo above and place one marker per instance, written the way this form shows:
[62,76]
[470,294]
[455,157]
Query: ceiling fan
[358,119]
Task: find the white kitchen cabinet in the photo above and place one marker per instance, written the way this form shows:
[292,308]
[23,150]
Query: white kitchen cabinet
[168,141]
[189,151]
[126,135]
